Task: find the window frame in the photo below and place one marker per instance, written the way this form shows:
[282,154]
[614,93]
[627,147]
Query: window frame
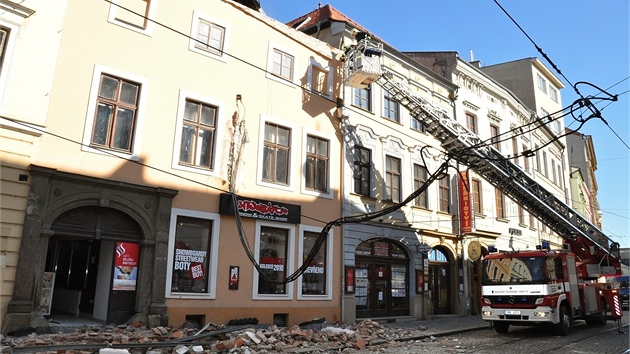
[525,160]
[185,95]
[367,165]
[147,30]
[390,174]
[417,182]
[495,132]
[499,204]
[329,264]
[553,93]
[444,186]
[390,107]
[273,47]
[215,219]
[471,122]
[477,193]
[289,262]
[417,125]
[328,193]
[357,93]
[141,107]
[290,160]
[313,82]
[542,83]
[198,17]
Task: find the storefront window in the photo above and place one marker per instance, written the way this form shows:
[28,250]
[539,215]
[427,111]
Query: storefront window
[190,255]
[314,278]
[272,259]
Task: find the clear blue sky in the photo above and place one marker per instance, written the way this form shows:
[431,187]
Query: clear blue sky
[586,40]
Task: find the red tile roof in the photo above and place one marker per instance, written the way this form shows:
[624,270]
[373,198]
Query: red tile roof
[326,12]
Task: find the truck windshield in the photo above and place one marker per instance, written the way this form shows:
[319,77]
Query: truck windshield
[516,270]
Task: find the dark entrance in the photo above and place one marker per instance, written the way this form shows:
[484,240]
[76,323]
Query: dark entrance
[82,254]
[381,279]
[439,282]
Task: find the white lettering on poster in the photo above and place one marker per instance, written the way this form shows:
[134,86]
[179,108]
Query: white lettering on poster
[183,258]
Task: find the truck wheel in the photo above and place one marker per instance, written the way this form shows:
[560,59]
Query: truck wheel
[501,327]
[598,320]
[562,328]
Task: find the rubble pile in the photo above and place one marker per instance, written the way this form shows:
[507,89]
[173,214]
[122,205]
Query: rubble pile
[214,339]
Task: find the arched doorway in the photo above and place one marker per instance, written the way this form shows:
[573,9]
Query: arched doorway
[439,281]
[381,279]
[93,261]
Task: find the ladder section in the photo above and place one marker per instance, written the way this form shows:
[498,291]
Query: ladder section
[587,241]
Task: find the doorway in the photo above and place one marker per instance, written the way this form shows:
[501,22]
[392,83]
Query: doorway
[381,280]
[439,282]
[93,277]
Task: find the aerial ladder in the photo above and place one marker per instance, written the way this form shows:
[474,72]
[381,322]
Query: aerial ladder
[597,254]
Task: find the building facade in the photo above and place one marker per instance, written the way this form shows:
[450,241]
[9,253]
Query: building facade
[583,163]
[503,121]
[175,162]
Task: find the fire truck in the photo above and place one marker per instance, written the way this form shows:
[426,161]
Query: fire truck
[540,286]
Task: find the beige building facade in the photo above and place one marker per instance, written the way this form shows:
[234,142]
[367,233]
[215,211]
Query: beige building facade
[157,156]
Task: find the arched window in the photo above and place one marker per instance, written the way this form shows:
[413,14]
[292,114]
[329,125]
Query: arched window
[437,256]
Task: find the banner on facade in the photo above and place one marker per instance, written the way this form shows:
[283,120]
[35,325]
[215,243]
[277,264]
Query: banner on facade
[126,266]
[465,207]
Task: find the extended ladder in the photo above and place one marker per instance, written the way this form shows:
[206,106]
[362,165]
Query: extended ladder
[594,249]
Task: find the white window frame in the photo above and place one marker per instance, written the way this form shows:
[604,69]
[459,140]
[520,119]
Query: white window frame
[331,162]
[197,16]
[289,262]
[542,83]
[215,170]
[268,74]
[148,30]
[140,113]
[9,49]
[214,253]
[329,263]
[293,151]
[315,66]
[553,93]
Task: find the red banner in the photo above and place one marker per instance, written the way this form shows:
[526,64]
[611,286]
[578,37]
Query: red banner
[465,209]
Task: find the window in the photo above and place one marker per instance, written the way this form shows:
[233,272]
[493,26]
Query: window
[525,160]
[476,193]
[210,37]
[531,220]
[560,179]
[499,204]
[362,170]
[521,215]
[115,116]
[553,172]
[553,93]
[546,170]
[471,122]
[494,137]
[320,80]
[445,194]
[391,108]
[536,149]
[190,255]
[198,135]
[4,37]
[544,114]
[137,15]
[314,280]
[316,164]
[420,176]
[416,124]
[362,98]
[542,83]
[515,150]
[282,64]
[392,179]
[272,258]
[276,154]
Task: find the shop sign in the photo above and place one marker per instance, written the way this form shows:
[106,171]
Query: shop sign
[465,209]
[260,209]
[381,249]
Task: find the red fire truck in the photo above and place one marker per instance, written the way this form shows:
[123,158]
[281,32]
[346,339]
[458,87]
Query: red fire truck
[544,286]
